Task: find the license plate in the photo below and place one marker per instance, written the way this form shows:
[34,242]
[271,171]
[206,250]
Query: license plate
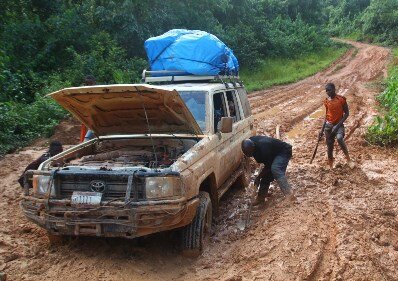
[88,199]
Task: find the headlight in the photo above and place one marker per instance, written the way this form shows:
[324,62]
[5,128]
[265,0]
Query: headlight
[162,187]
[41,184]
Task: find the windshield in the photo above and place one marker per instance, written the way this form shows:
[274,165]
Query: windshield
[196,103]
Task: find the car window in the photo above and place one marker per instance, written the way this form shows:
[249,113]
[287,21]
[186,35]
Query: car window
[233,106]
[196,103]
[220,109]
[244,102]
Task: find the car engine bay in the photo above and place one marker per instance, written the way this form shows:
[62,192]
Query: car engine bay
[149,153]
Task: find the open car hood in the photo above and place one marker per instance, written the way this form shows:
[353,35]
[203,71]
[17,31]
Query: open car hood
[124,109]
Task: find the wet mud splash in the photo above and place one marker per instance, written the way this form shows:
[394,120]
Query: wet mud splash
[344,225]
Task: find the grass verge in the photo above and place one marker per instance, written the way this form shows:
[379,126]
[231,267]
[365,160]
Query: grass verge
[278,71]
[384,130]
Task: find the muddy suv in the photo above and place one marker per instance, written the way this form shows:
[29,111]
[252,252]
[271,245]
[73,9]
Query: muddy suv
[162,157]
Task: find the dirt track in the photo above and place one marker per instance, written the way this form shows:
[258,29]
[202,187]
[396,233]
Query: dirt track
[343,227]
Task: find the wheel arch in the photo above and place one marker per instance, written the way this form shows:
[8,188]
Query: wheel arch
[209,185]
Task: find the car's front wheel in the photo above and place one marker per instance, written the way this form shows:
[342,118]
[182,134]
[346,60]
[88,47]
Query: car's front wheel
[195,234]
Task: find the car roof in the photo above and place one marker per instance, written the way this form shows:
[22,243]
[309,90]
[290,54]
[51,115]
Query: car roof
[209,87]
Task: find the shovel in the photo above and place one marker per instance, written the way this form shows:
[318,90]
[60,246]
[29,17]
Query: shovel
[317,143]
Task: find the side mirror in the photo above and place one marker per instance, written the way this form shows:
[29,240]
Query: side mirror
[226,125]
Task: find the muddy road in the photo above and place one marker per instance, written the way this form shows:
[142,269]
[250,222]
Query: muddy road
[344,225]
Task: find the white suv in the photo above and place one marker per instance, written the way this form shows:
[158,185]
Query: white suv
[162,158]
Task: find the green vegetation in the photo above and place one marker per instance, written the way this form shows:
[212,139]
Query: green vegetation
[384,130]
[394,52]
[374,21]
[364,20]
[20,123]
[48,45]
[277,71]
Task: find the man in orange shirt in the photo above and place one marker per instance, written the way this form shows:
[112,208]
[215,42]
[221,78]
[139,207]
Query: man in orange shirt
[89,80]
[336,113]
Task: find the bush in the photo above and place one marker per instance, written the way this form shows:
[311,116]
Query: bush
[380,20]
[105,60]
[21,123]
[290,39]
[384,130]
[244,41]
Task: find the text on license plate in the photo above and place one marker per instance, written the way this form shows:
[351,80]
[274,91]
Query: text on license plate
[86,198]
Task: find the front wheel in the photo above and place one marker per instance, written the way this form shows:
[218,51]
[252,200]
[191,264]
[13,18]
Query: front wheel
[195,234]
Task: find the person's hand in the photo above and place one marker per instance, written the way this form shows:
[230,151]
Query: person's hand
[320,135]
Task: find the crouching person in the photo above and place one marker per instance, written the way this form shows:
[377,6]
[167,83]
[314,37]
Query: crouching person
[275,155]
[54,149]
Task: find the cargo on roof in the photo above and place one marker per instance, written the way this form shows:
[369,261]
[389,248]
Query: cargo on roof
[192,51]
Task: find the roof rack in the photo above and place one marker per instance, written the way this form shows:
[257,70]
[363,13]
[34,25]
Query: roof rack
[180,76]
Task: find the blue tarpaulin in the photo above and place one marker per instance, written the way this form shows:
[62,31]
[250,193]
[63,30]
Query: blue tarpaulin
[192,51]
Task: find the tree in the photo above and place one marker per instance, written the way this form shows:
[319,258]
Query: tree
[381,20]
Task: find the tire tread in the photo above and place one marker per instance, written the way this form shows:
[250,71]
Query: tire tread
[193,234]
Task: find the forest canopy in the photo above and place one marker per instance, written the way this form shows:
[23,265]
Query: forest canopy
[48,45]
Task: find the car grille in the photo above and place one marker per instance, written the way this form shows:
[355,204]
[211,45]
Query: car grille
[115,185]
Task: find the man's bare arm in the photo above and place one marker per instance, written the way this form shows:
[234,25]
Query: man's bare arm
[346,113]
[345,116]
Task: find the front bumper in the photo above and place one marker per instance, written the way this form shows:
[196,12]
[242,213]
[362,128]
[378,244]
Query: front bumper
[111,219]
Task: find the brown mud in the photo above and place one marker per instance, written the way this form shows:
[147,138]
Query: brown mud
[344,225]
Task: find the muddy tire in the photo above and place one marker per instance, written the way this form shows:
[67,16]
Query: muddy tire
[194,235]
[244,179]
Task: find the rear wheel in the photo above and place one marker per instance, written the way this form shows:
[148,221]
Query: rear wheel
[195,234]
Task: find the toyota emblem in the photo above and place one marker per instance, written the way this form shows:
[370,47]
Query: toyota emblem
[97,186]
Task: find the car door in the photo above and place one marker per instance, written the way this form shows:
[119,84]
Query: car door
[245,127]
[220,110]
[239,126]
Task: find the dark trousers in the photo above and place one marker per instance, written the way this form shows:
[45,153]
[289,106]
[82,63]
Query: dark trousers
[277,170]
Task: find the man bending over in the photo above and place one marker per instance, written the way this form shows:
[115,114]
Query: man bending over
[275,156]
